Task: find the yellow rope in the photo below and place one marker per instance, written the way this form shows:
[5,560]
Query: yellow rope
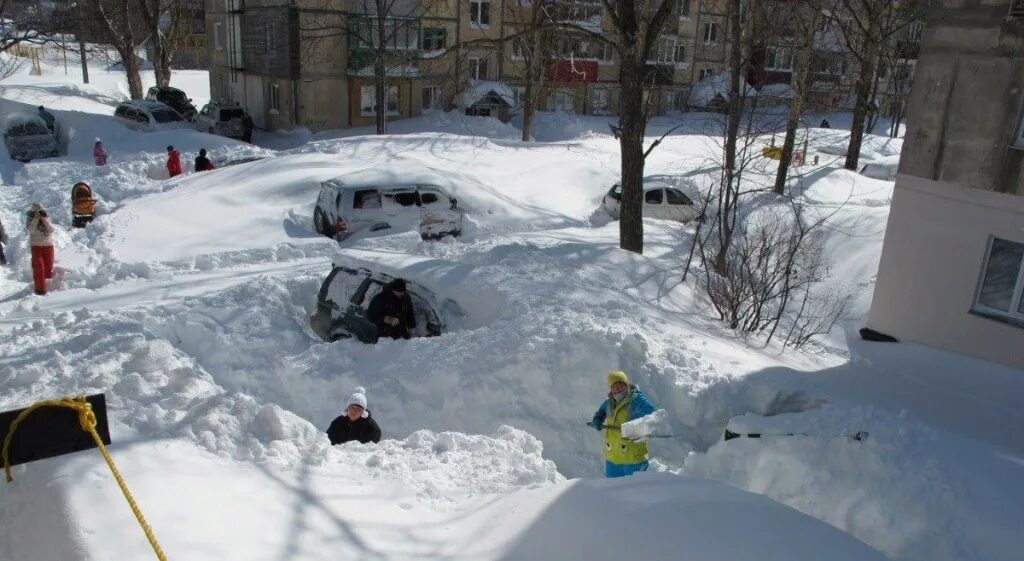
[87,420]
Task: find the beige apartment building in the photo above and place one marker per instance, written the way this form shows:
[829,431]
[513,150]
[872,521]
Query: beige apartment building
[309,63]
[952,268]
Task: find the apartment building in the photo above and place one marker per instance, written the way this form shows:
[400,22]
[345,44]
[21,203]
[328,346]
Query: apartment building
[310,63]
[952,267]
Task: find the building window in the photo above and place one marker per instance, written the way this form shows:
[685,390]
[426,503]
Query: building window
[198,13]
[518,46]
[670,52]
[518,96]
[706,73]
[916,31]
[434,39]
[684,8]
[674,101]
[218,36]
[711,33]
[431,99]
[779,59]
[480,12]
[607,54]
[478,68]
[561,100]
[1002,282]
[275,99]
[269,44]
[599,101]
[368,101]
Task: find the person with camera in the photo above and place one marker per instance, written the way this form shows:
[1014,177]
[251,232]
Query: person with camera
[40,237]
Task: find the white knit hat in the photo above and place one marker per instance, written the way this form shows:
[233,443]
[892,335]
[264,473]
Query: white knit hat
[358,398]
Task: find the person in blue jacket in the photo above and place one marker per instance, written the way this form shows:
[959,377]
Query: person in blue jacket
[625,403]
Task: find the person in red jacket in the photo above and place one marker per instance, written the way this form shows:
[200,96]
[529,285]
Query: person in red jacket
[173,161]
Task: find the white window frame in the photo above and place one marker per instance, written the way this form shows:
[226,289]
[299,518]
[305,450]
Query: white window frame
[218,36]
[672,100]
[474,67]
[443,37]
[270,44]
[712,33]
[779,53]
[685,14]
[557,100]
[275,98]
[372,111]
[596,95]
[1015,316]
[476,13]
[915,31]
[607,56]
[436,96]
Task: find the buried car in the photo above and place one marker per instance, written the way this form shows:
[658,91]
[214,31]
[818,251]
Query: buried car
[397,199]
[27,138]
[345,295]
[665,196]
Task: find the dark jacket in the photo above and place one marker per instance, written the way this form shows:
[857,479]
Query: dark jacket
[388,304]
[343,429]
[203,163]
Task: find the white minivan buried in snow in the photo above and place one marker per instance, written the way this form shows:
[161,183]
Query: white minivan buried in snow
[391,198]
[665,196]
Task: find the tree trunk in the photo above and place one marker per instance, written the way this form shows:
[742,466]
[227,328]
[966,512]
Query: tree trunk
[796,109]
[131,71]
[864,83]
[631,143]
[729,189]
[380,70]
[529,108]
[85,61]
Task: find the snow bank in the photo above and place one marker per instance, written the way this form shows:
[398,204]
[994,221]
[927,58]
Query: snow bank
[478,89]
[656,425]
[716,86]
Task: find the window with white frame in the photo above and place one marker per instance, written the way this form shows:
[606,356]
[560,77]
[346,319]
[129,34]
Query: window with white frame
[779,59]
[434,38]
[480,12]
[368,101]
[518,96]
[561,100]
[432,99]
[218,36]
[673,101]
[607,53]
[518,48]
[915,31]
[1001,290]
[274,98]
[684,8]
[478,68]
[670,51]
[599,101]
[712,31]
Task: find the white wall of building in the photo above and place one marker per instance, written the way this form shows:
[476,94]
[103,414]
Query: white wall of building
[935,248]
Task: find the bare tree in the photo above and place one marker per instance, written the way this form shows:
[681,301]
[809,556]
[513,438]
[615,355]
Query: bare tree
[166,25]
[869,27]
[124,29]
[531,41]
[802,23]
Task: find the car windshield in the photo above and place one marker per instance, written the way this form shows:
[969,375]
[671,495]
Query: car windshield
[165,116]
[228,114]
[30,128]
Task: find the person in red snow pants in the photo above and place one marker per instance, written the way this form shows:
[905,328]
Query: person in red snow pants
[173,161]
[40,235]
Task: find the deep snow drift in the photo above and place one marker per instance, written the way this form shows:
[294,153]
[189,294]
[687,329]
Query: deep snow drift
[187,302]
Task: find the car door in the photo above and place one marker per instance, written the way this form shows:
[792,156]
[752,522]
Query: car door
[364,209]
[679,206]
[654,203]
[437,217]
[401,207]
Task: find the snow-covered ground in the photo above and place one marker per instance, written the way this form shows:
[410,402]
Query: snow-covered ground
[187,303]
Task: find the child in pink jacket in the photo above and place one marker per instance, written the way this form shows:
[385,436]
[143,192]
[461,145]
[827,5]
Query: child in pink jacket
[99,153]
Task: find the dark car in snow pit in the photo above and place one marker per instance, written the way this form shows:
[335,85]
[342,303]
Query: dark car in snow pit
[346,294]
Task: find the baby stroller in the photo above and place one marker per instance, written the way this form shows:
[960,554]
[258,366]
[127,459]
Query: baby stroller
[83,206]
